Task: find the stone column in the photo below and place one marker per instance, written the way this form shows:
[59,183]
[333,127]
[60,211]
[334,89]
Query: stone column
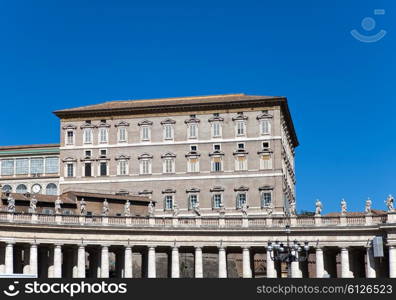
[26,259]
[2,259]
[345,267]
[294,266]
[198,263]
[271,272]
[105,262]
[33,260]
[392,261]
[319,262]
[9,258]
[81,261]
[222,263]
[370,263]
[57,261]
[151,272]
[175,263]
[128,262]
[247,268]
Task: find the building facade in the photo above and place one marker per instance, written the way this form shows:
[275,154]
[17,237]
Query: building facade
[214,152]
[30,169]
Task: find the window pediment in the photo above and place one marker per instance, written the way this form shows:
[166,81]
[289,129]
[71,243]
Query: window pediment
[87,125]
[264,115]
[192,120]
[240,117]
[266,188]
[240,152]
[216,119]
[103,124]
[168,121]
[121,157]
[168,191]
[216,153]
[145,123]
[69,127]
[145,156]
[242,188]
[168,155]
[265,151]
[193,190]
[193,154]
[122,124]
[217,189]
[69,159]
[145,192]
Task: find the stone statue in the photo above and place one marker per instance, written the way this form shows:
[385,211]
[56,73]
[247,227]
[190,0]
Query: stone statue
[222,209]
[33,205]
[244,209]
[11,204]
[58,203]
[318,207]
[367,208]
[343,207]
[175,210]
[196,209]
[270,209]
[151,209]
[105,208]
[83,207]
[389,203]
[292,209]
[127,209]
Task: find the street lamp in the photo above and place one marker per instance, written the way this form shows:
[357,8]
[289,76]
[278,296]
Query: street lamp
[289,252]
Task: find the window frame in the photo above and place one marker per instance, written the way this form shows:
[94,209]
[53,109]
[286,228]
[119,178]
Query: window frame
[172,199]
[262,122]
[262,202]
[215,194]
[85,131]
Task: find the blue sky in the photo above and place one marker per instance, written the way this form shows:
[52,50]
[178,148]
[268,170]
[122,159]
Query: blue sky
[59,54]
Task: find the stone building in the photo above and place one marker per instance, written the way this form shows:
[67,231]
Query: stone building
[219,152]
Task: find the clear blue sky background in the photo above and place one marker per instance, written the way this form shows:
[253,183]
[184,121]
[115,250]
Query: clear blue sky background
[59,54]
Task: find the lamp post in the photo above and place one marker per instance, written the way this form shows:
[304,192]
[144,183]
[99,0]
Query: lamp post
[289,252]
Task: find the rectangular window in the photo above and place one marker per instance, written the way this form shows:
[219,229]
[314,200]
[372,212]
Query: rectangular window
[88,153]
[169,166]
[145,166]
[241,146]
[37,166]
[216,147]
[103,135]
[168,202]
[266,199]
[168,132]
[145,133]
[192,131]
[217,201]
[22,166]
[216,164]
[266,162]
[241,199]
[7,167]
[88,136]
[103,169]
[123,167]
[216,129]
[266,145]
[51,165]
[70,170]
[193,148]
[122,134]
[265,127]
[192,201]
[240,128]
[103,153]
[70,137]
[88,169]
[240,163]
[193,165]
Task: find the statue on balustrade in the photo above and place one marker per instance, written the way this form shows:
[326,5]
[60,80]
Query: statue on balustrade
[105,208]
[58,207]
[10,204]
[175,210]
[197,209]
[244,209]
[367,208]
[389,203]
[343,207]
[33,205]
[292,209]
[222,209]
[127,209]
[151,209]
[83,207]
[318,207]
[270,209]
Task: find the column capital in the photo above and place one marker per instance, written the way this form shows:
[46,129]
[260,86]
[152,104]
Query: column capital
[344,248]
[198,247]
[128,246]
[151,247]
[246,247]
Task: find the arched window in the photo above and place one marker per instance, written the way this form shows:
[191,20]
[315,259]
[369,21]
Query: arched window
[7,188]
[21,189]
[51,189]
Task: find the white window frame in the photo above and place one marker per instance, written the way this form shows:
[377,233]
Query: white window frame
[73,138]
[189,165]
[262,198]
[85,135]
[214,200]
[92,169]
[262,122]
[172,201]
[238,200]
[238,165]
[168,162]
[263,166]
[189,196]
[106,135]
[212,162]
[120,171]
[142,129]
[220,129]
[100,168]
[168,129]
[120,129]
[190,127]
[237,128]
[67,165]
[142,169]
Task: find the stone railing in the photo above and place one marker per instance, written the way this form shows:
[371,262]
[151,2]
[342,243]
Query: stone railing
[199,221]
